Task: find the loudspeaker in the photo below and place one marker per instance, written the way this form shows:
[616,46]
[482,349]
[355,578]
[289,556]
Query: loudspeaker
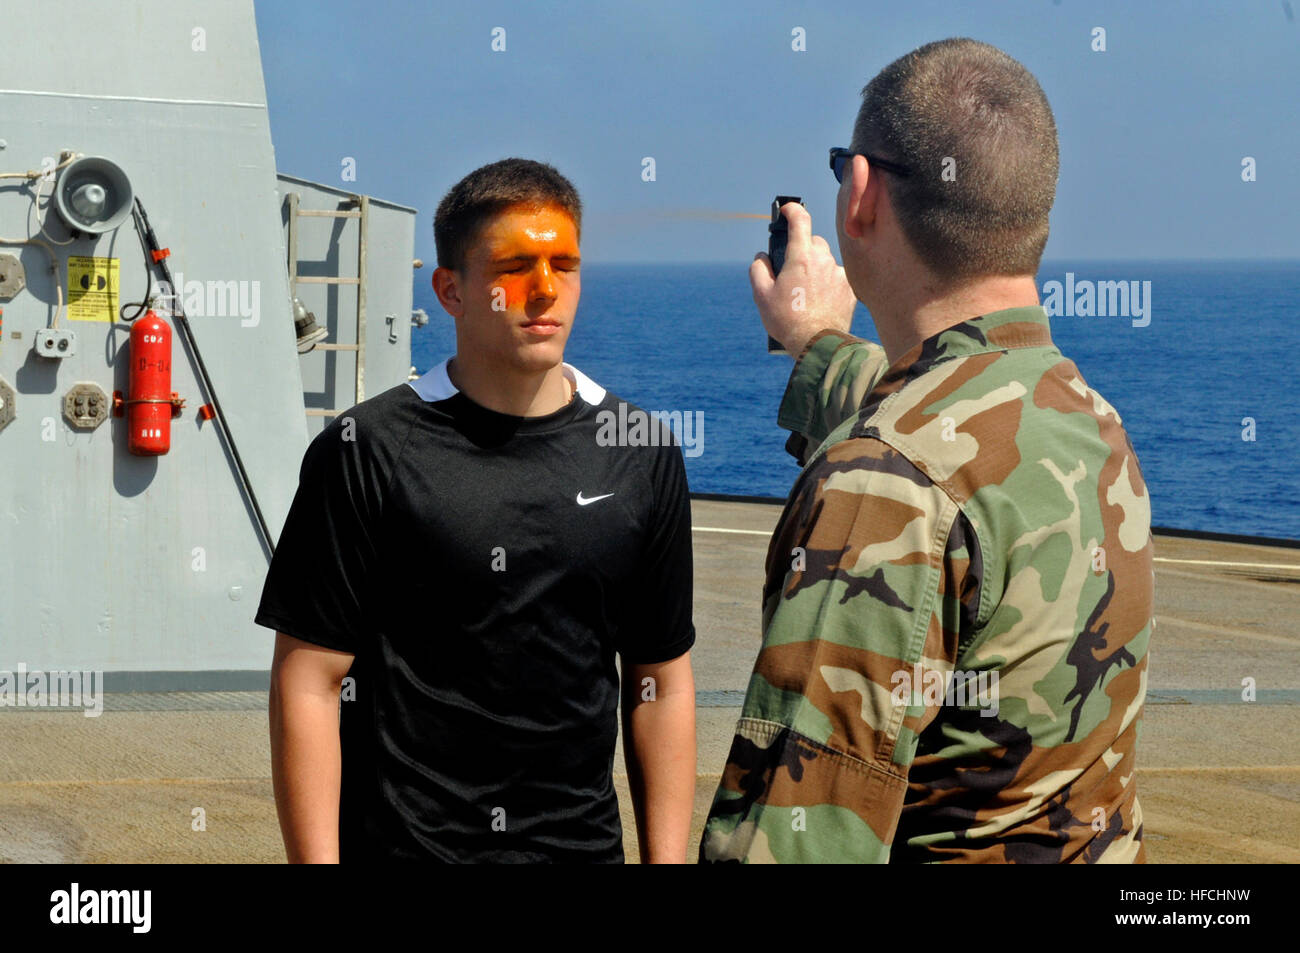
[93,195]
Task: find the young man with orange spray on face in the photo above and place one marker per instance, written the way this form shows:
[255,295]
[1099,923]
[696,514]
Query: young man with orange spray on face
[468,551]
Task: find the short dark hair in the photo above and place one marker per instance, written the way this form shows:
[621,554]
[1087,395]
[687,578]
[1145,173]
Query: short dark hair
[968,108]
[490,190]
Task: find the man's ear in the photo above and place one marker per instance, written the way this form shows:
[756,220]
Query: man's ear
[446,285]
[864,188]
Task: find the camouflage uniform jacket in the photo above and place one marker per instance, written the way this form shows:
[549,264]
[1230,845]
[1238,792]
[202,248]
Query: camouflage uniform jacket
[955,618]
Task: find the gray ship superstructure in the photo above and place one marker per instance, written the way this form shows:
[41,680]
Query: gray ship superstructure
[148,568]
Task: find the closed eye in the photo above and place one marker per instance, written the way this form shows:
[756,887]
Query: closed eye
[519,265]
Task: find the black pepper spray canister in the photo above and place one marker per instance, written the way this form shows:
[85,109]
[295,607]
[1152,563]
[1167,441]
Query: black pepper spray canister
[778,233]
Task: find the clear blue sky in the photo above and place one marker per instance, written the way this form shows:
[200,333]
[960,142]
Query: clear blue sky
[1152,131]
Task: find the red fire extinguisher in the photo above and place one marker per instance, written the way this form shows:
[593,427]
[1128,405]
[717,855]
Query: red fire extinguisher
[151,403]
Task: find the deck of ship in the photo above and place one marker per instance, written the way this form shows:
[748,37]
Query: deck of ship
[1219,777]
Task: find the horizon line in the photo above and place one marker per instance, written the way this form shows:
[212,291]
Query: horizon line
[1109,261]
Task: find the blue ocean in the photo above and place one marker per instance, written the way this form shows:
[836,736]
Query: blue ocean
[1207,389]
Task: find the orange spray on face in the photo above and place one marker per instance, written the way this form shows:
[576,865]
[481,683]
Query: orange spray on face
[519,289]
[527,252]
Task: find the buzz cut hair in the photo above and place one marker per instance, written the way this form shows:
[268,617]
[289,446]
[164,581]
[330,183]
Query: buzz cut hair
[488,191]
[974,129]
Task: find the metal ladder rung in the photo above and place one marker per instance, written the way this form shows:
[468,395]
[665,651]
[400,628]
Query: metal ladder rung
[337,347]
[316,412]
[320,213]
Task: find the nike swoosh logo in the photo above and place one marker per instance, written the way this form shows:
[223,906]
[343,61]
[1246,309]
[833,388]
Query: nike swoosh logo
[591,499]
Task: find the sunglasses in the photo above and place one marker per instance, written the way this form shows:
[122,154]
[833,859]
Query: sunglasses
[840,156]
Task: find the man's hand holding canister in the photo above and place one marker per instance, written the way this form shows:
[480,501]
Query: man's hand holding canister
[810,294]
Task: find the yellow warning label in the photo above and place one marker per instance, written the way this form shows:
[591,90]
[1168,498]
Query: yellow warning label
[92,288]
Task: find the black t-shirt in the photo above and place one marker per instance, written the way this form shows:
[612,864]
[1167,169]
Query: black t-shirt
[484,570]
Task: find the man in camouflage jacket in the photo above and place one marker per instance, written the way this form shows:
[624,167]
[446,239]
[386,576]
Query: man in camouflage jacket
[959,591]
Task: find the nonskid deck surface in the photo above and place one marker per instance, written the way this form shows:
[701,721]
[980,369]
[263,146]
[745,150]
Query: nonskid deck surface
[1219,777]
